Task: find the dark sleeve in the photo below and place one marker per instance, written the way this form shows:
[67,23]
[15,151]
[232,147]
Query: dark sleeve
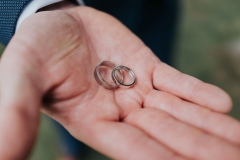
[10,11]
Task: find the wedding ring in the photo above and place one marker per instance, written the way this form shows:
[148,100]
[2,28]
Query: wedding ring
[104,83]
[130,72]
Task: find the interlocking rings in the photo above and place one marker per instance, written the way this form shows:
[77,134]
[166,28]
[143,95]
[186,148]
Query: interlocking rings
[117,75]
[130,72]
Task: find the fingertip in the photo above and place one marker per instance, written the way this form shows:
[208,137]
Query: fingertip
[221,101]
[225,102]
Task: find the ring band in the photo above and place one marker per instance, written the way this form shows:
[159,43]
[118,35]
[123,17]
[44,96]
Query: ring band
[104,83]
[130,72]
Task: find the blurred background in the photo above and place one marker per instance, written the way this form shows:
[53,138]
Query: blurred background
[208,47]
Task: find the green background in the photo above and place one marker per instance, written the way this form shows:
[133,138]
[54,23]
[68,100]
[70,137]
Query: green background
[207,48]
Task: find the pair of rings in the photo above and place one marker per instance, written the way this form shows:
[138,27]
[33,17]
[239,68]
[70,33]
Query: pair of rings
[117,75]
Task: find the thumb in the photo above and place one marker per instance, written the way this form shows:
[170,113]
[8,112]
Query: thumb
[19,106]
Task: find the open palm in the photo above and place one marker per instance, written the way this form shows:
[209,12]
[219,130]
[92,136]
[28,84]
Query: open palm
[49,65]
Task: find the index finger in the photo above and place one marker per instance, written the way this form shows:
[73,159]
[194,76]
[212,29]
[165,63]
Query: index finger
[170,80]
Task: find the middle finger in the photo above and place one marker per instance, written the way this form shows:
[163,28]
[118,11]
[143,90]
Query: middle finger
[212,122]
[180,137]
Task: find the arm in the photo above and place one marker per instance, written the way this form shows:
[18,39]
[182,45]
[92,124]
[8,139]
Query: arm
[166,115]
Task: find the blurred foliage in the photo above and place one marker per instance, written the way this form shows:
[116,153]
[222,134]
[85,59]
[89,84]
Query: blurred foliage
[47,147]
[1,48]
[206,30]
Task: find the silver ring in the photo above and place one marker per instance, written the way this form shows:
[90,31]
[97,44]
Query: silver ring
[130,72]
[104,83]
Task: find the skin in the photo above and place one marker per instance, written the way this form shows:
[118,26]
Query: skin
[49,66]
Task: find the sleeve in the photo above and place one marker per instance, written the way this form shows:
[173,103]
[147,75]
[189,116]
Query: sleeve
[32,8]
[10,10]
[13,12]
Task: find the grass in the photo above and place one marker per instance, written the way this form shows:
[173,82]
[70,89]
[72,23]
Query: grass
[205,30]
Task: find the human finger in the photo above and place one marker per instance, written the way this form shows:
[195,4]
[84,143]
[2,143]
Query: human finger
[192,114]
[168,79]
[100,128]
[180,137]
[123,141]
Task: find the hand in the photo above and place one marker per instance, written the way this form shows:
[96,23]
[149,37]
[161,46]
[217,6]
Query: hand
[49,65]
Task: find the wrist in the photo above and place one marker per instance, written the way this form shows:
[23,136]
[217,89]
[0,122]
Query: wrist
[58,6]
[44,5]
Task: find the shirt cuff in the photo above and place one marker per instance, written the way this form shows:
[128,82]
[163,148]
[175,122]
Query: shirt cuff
[35,5]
